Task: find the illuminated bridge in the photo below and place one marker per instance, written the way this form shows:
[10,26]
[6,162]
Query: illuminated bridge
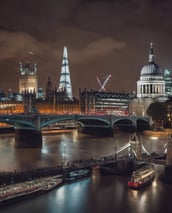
[40,121]
[85,123]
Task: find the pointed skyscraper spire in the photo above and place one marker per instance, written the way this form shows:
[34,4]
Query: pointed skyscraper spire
[151,54]
[65,80]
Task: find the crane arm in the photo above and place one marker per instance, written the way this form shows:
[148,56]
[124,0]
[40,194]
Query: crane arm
[98,80]
[105,82]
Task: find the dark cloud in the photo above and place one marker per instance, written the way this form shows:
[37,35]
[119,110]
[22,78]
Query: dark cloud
[103,37]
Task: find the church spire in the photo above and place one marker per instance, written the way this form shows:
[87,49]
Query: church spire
[65,80]
[151,54]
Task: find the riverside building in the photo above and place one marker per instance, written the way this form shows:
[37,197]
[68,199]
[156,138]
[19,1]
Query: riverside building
[101,102]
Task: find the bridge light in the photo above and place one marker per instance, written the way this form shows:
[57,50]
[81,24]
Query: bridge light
[154,138]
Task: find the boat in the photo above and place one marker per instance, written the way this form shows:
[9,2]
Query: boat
[12,193]
[142,176]
[77,174]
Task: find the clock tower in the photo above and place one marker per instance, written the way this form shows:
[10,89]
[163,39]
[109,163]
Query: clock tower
[28,81]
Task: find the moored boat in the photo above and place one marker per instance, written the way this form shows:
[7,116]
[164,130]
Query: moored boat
[142,176]
[16,192]
[74,175]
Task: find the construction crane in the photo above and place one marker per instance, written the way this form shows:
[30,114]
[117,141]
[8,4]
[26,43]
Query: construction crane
[103,84]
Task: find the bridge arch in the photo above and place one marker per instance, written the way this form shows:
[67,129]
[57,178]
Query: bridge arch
[56,120]
[134,122]
[93,121]
[23,123]
[122,121]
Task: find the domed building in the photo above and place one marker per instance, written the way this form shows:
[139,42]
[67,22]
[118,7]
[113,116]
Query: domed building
[151,83]
[150,87]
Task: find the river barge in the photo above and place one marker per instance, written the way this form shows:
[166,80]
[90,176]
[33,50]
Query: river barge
[142,176]
[13,193]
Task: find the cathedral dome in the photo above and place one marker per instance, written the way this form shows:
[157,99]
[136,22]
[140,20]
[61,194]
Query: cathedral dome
[151,83]
[151,69]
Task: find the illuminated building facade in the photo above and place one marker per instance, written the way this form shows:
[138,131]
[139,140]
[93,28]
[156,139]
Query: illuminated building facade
[150,87]
[97,102]
[151,83]
[28,80]
[168,82]
[168,91]
[41,93]
[65,80]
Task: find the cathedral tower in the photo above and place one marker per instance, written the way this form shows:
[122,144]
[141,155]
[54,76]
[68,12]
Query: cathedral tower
[65,80]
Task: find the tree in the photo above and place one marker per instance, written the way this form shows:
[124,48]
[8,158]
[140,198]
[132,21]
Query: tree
[157,111]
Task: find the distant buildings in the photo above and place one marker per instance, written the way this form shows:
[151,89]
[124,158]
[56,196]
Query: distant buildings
[3,96]
[101,102]
[153,86]
[168,82]
[28,81]
[59,100]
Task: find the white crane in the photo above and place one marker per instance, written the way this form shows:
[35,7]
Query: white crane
[103,84]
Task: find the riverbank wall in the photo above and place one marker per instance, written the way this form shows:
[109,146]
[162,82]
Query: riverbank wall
[162,133]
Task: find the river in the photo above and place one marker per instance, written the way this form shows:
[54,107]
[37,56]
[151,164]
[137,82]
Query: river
[99,194]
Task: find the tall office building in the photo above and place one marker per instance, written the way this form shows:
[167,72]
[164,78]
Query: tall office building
[28,81]
[168,82]
[65,80]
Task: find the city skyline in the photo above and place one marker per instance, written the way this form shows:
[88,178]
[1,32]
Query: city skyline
[103,38]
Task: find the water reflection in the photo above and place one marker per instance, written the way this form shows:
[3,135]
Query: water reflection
[76,199]
[66,147]
[97,194]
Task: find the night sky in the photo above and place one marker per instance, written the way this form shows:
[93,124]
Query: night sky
[102,36]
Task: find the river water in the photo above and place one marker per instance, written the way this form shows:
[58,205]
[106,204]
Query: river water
[101,194]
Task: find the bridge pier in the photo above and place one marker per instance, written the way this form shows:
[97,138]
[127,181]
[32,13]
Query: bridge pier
[28,138]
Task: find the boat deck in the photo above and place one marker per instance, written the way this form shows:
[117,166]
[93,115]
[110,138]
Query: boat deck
[19,189]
